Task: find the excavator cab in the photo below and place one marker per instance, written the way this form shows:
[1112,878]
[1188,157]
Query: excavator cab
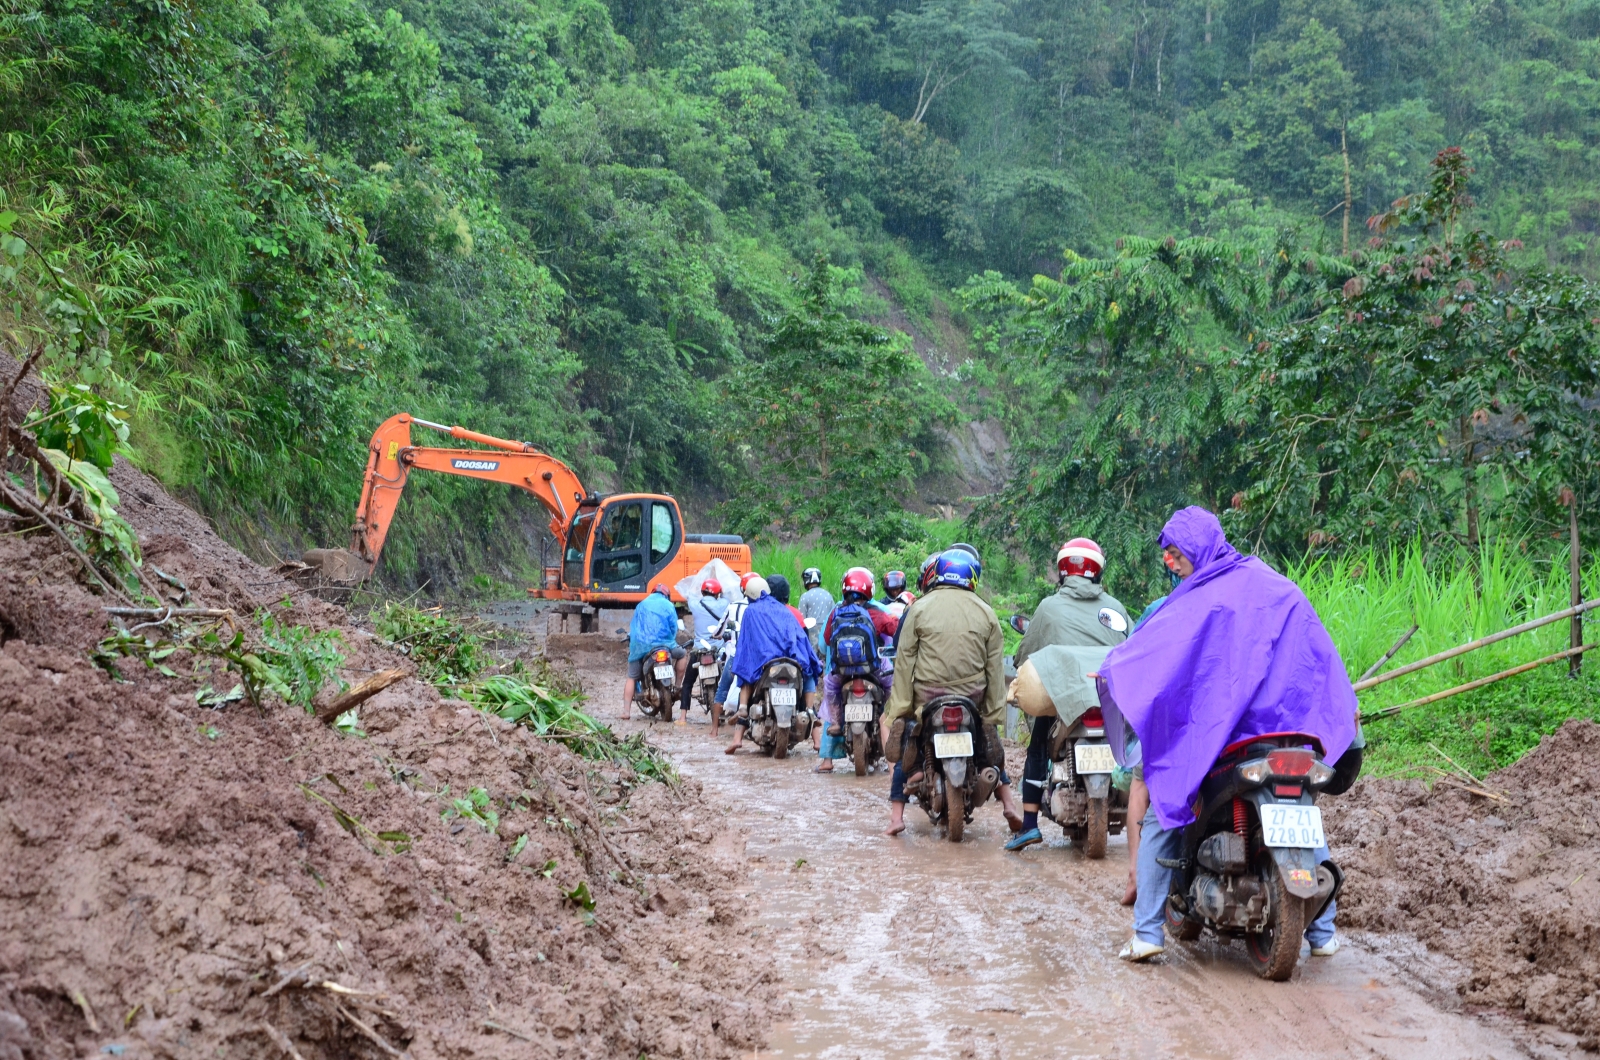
[630,539]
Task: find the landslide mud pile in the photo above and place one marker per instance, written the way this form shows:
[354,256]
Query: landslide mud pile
[1508,886]
[178,881]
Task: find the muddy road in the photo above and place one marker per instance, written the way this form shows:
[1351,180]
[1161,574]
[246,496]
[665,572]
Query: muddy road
[915,947]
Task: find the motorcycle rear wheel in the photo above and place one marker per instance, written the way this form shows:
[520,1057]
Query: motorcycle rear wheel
[1181,927]
[955,810]
[780,743]
[667,698]
[859,753]
[1097,828]
[1273,953]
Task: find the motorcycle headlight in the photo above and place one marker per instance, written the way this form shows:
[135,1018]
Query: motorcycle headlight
[1321,773]
[1255,771]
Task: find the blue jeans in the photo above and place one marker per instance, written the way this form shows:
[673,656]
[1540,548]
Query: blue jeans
[724,683]
[1149,909]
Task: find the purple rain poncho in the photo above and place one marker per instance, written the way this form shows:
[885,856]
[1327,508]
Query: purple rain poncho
[1236,651]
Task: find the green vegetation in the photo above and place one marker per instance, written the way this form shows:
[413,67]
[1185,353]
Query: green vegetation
[1368,599]
[263,228]
[457,661]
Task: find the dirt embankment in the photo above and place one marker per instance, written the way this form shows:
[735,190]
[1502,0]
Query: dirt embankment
[1508,886]
[181,881]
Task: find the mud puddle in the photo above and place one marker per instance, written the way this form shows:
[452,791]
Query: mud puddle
[916,947]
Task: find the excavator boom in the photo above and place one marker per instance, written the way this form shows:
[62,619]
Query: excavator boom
[391,457]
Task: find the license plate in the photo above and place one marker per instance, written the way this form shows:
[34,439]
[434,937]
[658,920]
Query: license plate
[1285,824]
[952,745]
[782,697]
[858,710]
[1093,757]
[708,672]
[663,673]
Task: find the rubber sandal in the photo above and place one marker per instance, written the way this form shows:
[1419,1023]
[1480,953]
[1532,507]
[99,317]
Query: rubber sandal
[1138,949]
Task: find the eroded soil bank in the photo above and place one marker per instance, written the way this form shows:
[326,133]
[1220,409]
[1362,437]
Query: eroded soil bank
[177,881]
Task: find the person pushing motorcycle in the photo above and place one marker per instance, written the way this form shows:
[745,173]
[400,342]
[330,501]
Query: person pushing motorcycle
[1080,614]
[949,643]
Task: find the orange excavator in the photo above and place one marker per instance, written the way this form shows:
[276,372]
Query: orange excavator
[613,549]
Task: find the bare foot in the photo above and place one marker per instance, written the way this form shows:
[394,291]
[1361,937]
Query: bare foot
[1013,821]
[895,829]
[730,749]
[822,767]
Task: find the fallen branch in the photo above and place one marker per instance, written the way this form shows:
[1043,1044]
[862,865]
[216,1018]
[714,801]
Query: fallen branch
[288,980]
[1481,642]
[371,1035]
[1388,712]
[1450,780]
[492,1025]
[281,1040]
[359,694]
[170,612]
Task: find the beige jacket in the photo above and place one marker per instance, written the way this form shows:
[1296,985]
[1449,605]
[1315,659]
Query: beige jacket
[950,642]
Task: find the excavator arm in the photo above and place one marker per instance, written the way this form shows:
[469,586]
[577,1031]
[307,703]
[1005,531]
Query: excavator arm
[391,458]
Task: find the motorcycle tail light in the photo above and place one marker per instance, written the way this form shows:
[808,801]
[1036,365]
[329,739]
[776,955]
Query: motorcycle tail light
[1093,719]
[859,687]
[1321,773]
[1290,762]
[661,655]
[1255,771]
[1292,791]
[952,718]
[706,660]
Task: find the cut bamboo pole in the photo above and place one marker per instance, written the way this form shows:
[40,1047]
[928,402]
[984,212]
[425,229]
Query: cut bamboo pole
[1401,643]
[1387,712]
[1482,642]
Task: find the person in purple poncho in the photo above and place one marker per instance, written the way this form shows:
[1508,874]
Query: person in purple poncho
[1236,651]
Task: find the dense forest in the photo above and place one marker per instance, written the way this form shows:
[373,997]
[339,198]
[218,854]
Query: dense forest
[680,244]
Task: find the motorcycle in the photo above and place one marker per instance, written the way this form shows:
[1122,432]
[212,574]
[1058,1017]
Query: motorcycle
[1248,867]
[946,747]
[862,699]
[657,691]
[1078,794]
[708,672]
[777,712]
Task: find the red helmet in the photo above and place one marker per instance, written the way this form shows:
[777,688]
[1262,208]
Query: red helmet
[745,579]
[1081,557]
[858,580]
[711,587]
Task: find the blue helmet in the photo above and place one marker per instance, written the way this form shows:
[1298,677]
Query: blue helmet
[955,567]
[977,563]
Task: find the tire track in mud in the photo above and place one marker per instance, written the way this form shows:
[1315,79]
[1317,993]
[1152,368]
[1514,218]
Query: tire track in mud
[916,947]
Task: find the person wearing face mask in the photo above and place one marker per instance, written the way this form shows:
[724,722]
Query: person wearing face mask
[1235,651]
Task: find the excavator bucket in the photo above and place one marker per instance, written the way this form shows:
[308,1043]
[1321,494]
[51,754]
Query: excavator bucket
[337,565]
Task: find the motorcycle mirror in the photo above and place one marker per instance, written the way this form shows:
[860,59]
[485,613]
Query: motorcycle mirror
[1113,620]
[1020,623]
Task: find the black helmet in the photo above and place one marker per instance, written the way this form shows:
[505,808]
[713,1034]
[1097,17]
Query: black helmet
[894,583]
[778,585]
[811,577]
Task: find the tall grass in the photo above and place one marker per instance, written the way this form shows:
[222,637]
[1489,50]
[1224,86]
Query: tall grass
[1368,599]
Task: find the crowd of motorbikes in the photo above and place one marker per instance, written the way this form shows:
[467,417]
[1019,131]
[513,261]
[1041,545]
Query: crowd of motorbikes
[1246,867]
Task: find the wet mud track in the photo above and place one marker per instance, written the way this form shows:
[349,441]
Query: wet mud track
[916,947]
